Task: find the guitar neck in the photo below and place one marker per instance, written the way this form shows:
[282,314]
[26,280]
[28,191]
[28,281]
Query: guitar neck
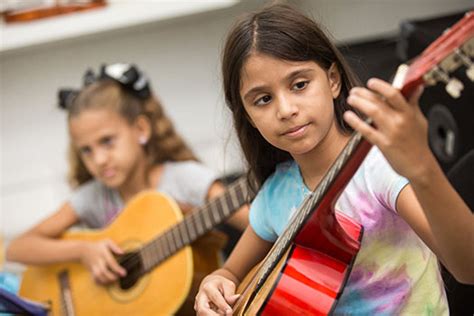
[335,179]
[198,223]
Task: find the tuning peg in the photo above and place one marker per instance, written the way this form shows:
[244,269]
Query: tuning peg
[466,61]
[454,87]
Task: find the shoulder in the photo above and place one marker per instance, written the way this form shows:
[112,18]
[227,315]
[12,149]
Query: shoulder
[187,181]
[188,166]
[380,178]
[283,180]
[91,187]
[89,195]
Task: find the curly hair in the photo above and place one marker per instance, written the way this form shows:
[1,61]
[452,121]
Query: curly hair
[165,144]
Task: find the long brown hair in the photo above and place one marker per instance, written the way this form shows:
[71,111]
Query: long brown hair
[280,31]
[164,144]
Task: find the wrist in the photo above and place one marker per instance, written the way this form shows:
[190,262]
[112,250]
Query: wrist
[80,249]
[426,172]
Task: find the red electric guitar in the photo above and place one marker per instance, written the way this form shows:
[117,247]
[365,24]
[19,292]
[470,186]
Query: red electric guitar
[306,269]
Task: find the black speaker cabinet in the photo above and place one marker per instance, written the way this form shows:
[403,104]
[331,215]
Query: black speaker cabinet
[451,133]
[451,127]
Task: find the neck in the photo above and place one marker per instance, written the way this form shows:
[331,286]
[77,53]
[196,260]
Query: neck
[316,163]
[142,179]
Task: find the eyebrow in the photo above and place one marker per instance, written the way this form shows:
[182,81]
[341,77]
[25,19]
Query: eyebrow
[291,76]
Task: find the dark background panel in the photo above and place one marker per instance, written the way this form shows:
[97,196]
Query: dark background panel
[451,128]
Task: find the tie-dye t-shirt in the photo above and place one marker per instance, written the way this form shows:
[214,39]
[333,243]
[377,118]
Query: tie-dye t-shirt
[394,273]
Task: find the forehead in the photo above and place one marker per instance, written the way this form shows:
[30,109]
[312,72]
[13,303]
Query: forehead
[261,69]
[90,125]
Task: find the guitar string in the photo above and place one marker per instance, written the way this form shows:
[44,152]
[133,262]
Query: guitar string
[192,218]
[283,243]
[132,260]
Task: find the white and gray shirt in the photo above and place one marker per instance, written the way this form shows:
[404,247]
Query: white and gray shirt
[187,182]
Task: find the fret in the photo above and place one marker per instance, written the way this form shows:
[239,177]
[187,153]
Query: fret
[162,249]
[194,225]
[235,201]
[214,218]
[198,223]
[177,238]
[183,232]
[240,194]
[145,258]
[173,243]
[228,200]
[190,228]
[167,244]
[149,254]
[207,220]
[217,209]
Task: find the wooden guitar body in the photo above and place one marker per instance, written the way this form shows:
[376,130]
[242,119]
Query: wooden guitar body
[159,292]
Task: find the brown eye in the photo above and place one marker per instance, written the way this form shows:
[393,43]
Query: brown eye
[84,151]
[300,85]
[263,100]
[107,141]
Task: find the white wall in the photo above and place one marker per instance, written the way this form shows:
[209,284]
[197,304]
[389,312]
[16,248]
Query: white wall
[180,56]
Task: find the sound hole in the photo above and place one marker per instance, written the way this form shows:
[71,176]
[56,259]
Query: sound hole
[133,264]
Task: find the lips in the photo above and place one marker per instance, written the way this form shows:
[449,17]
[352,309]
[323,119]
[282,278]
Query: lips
[108,173]
[295,130]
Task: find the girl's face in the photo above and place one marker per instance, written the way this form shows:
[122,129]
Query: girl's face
[108,145]
[290,103]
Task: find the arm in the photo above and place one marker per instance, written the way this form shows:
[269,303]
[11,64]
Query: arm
[217,290]
[41,245]
[430,205]
[440,217]
[240,219]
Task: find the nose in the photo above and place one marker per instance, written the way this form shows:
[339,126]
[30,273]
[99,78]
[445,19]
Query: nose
[286,108]
[100,157]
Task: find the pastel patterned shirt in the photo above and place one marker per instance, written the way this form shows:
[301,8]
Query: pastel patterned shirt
[394,273]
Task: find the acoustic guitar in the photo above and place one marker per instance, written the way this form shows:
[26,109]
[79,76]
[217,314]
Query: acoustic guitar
[159,260]
[305,271]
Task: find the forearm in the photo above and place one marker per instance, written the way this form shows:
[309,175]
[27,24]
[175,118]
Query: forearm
[30,249]
[450,219]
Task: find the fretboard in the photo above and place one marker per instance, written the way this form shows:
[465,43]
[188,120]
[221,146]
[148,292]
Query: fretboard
[198,223]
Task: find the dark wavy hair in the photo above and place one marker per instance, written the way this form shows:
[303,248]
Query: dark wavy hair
[280,31]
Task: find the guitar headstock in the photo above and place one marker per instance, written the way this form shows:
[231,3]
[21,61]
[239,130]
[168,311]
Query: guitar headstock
[452,50]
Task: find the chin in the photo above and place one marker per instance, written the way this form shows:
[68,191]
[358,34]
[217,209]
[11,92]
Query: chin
[112,183]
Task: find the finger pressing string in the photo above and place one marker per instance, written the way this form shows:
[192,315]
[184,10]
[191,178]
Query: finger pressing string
[390,94]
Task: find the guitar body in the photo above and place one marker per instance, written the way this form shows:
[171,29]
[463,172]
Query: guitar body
[160,292]
[309,278]
[306,280]
[310,281]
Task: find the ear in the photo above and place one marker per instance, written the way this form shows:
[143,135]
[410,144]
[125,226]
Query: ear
[334,77]
[143,127]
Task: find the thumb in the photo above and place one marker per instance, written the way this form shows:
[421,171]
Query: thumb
[115,249]
[232,299]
